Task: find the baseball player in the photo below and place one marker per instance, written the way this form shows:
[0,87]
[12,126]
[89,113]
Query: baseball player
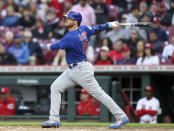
[148,107]
[80,72]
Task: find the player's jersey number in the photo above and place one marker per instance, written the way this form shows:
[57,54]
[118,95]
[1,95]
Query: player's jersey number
[85,46]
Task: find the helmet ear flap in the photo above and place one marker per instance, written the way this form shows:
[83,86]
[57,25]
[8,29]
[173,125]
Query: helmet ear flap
[78,23]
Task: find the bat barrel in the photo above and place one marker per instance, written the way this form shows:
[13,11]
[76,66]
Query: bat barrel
[138,24]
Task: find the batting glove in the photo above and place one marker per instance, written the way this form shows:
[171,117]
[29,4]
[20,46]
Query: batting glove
[113,24]
[47,47]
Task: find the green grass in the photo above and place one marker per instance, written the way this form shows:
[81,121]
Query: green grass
[18,123]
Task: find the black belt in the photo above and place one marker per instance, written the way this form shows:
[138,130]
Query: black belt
[72,65]
[75,64]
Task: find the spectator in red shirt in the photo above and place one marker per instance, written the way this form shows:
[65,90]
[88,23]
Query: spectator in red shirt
[7,102]
[57,6]
[93,107]
[126,57]
[155,8]
[88,105]
[84,100]
[116,53]
[103,58]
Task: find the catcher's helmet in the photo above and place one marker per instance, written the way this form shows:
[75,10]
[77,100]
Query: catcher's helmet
[74,15]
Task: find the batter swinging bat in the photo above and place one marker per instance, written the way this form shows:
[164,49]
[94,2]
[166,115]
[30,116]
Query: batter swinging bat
[138,24]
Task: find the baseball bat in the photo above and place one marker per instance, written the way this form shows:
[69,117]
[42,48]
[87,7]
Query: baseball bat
[138,24]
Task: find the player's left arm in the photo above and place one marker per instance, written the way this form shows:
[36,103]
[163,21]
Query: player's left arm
[139,109]
[61,44]
[91,30]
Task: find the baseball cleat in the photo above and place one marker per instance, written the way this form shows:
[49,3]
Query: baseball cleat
[50,124]
[119,123]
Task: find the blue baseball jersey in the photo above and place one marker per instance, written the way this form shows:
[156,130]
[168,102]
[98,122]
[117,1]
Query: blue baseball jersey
[75,42]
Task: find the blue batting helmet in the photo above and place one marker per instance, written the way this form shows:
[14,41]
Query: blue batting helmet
[74,15]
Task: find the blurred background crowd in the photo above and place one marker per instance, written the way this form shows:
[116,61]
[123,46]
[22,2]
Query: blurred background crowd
[27,25]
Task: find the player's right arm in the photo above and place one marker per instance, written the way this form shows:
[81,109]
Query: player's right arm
[139,109]
[61,44]
[155,108]
[92,30]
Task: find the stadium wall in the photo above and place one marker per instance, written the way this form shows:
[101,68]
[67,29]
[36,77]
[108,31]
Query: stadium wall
[132,79]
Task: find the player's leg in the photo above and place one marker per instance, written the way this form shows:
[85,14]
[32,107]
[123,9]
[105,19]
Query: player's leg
[85,77]
[59,86]
[92,86]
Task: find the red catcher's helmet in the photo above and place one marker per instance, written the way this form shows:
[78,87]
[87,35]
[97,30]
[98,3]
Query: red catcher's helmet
[149,88]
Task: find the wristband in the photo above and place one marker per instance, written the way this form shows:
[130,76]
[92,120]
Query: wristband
[47,47]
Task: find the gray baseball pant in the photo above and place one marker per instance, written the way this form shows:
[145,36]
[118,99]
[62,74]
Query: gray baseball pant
[82,75]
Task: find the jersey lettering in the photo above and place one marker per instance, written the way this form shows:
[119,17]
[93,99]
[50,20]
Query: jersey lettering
[82,36]
[85,46]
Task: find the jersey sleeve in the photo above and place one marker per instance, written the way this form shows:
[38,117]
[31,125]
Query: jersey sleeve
[61,44]
[91,30]
[156,106]
[139,105]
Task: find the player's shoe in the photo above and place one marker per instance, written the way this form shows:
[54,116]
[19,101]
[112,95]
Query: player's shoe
[119,123]
[50,124]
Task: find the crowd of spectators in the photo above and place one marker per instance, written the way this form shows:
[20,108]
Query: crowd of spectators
[26,25]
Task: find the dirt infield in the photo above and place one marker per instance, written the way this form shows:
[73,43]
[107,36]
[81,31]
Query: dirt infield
[74,128]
